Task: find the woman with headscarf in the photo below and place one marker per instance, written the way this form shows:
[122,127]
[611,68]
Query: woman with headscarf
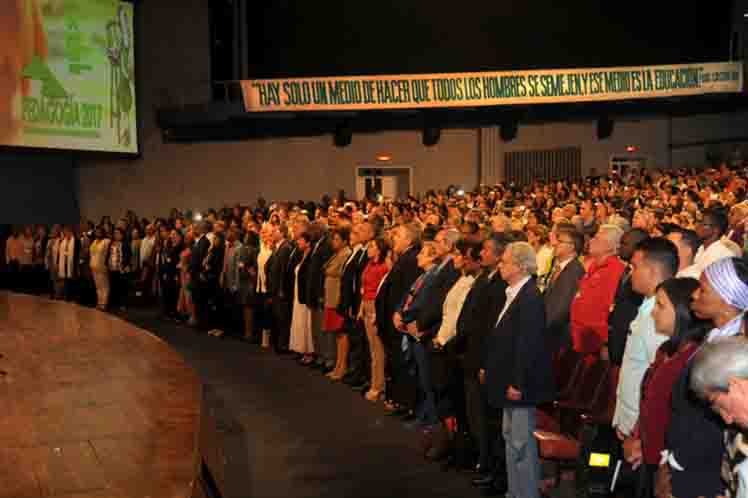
[691,462]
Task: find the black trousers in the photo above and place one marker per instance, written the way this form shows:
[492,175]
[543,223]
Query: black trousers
[205,300]
[282,311]
[86,290]
[482,422]
[118,288]
[263,314]
[169,294]
[12,276]
[402,383]
[41,279]
[25,279]
[359,357]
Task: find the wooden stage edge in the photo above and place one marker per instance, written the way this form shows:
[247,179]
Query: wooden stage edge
[92,406]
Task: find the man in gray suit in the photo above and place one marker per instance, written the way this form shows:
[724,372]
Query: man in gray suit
[561,285]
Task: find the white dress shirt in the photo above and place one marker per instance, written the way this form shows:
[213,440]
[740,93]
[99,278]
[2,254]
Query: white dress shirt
[692,271]
[706,256]
[452,307]
[511,293]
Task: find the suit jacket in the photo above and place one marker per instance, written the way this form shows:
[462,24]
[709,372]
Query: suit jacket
[383,305]
[557,298]
[349,298]
[694,437]
[430,317]
[421,299]
[315,282]
[404,272]
[199,251]
[289,275]
[482,306]
[303,278]
[333,270]
[516,353]
[625,307]
[360,265]
[167,268]
[276,269]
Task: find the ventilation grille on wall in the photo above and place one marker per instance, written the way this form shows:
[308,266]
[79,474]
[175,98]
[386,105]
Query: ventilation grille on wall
[524,167]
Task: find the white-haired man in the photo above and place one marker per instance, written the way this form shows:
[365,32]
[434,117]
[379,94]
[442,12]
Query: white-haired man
[596,292]
[516,368]
[719,375]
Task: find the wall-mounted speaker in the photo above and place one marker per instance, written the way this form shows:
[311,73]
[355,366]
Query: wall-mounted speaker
[605,127]
[343,135]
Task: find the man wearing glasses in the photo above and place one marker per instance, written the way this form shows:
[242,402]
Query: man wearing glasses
[562,284]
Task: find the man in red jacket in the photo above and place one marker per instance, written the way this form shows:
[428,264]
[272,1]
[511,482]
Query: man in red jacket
[597,289]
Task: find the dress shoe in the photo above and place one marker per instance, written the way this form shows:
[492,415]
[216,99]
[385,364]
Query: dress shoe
[483,481]
[408,415]
[497,488]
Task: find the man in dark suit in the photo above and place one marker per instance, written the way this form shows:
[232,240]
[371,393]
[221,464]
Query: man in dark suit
[199,291]
[478,314]
[321,252]
[350,300]
[562,285]
[416,342]
[516,368]
[406,243]
[429,318]
[281,301]
[627,301]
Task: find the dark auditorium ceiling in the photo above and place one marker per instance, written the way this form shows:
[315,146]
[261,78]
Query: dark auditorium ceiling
[289,38]
[341,37]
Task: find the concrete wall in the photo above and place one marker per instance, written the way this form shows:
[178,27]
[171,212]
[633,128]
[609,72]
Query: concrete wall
[37,188]
[209,175]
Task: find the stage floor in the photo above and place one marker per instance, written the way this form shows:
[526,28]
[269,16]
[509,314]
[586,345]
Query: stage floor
[91,406]
[305,436]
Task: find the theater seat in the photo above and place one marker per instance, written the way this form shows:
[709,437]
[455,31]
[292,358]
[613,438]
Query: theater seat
[567,365]
[555,446]
[545,421]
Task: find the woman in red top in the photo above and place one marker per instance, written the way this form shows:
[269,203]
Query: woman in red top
[673,318]
[372,277]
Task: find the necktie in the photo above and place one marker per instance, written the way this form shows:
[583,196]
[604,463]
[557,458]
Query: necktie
[413,291]
[554,274]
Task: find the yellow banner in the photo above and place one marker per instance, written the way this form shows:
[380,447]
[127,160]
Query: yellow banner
[490,88]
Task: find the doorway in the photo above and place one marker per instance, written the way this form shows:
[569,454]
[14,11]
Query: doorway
[389,182]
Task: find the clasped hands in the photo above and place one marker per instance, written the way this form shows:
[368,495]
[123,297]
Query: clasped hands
[411,328]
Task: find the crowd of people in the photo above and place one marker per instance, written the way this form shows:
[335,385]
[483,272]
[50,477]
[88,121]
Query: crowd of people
[457,311]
